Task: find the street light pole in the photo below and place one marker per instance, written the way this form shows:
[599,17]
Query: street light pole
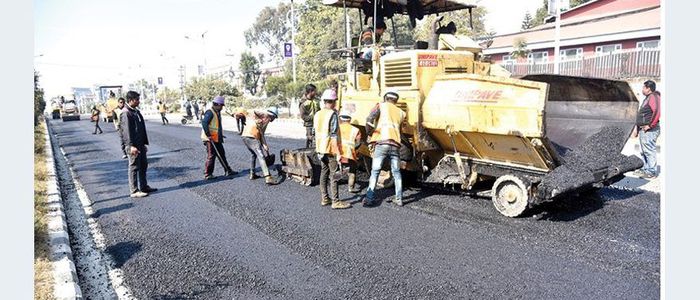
[204,52]
[294,51]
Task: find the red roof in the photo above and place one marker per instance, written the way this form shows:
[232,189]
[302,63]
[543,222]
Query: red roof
[638,23]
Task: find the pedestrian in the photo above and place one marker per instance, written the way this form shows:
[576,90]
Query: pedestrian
[117,121]
[254,139]
[308,108]
[136,142]
[328,149]
[648,129]
[188,109]
[350,139]
[383,129]
[162,108]
[212,136]
[195,106]
[202,107]
[96,117]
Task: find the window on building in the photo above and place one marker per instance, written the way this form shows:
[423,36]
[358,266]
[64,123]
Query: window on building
[648,45]
[607,49]
[539,57]
[508,59]
[571,54]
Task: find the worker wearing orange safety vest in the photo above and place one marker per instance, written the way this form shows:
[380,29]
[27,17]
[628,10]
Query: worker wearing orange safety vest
[384,131]
[328,149]
[254,139]
[212,136]
[350,139]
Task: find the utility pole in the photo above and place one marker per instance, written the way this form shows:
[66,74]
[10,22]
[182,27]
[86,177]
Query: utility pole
[557,28]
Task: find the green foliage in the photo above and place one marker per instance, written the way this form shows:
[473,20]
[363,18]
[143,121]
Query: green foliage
[145,88]
[250,67]
[270,30]
[170,96]
[461,19]
[276,85]
[39,102]
[527,21]
[520,46]
[208,87]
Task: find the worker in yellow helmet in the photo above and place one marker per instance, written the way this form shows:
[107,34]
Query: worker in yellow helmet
[328,149]
[350,139]
[384,131]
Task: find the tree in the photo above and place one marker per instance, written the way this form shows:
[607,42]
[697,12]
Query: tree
[520,46]
[39,103]
[461,20]
[527,21]
[170,97]
[207,88]
[543,11]
[250,67]
[270,30]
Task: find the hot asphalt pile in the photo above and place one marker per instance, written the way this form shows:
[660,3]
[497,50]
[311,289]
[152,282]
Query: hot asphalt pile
[236,238]
[598,153]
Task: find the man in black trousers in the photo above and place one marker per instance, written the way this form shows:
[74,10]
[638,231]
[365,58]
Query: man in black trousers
[135,141]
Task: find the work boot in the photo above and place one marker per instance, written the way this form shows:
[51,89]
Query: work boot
[351,184]
[209,177]
[269,180]
[398,201]
[337,204]
[325,201]
[230,173]
[253,176]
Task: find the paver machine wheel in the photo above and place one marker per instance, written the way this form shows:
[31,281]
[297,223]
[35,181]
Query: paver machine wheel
[510,195]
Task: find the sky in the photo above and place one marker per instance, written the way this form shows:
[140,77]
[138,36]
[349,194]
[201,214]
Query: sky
[106,42]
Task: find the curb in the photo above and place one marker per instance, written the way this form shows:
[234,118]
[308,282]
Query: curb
[64,274]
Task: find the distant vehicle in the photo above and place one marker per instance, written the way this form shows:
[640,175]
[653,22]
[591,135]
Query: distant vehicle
[69,111]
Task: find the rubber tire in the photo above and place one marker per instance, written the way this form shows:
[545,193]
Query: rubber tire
[509,184]
[183,121]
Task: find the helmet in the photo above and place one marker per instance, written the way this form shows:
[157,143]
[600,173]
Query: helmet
[345,115]
[219,100]
[391,95]
[330,95]
[272,111]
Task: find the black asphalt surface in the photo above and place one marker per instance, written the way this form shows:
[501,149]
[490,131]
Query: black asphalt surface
[236,238]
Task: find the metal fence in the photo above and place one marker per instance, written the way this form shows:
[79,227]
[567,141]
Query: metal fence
[619,65]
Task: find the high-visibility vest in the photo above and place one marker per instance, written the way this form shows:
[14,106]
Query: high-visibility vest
[161,108]
[348,134]
[213,128]
[253,130]
[389,123]
[322,121]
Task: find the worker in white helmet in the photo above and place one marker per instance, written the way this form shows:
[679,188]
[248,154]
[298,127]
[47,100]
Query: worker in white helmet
[328,149]
[350,140]
[383,129]
[254,138]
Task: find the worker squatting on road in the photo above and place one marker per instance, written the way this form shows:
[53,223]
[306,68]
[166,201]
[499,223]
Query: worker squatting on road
[254,139]
[350,140]
[212,136]
[384,132]
[308,109]
[328,149]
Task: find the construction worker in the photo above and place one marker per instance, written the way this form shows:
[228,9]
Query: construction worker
[117,121]
[162,109]
[328,149]
[239,114]
[384,132]
[350,138]
[308,109]
[212,136]
[254,139]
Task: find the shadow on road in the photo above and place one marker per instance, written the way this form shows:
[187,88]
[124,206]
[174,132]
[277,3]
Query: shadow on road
[122,252]
[108,210]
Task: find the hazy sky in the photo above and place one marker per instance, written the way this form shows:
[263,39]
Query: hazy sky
[83,43]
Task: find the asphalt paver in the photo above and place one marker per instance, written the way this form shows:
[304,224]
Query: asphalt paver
[236,238]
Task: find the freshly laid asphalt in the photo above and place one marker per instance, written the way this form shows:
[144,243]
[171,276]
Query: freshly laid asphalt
[236,238]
